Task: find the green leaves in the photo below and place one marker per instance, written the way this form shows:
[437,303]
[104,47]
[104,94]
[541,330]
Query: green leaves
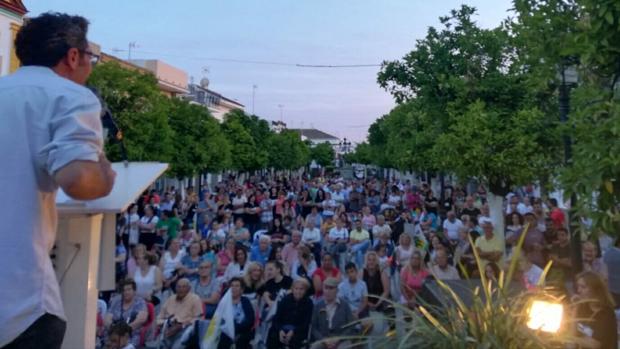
[323,154]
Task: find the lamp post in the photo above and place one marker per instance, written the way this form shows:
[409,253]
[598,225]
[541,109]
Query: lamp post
[345,147]
[568,79]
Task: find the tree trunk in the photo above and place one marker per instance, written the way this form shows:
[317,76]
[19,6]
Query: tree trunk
[496,207]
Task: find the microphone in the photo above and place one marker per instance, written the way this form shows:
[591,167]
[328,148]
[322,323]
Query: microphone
[111,132]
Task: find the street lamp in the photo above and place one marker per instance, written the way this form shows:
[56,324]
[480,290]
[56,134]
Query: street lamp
[569,78]
[345,146]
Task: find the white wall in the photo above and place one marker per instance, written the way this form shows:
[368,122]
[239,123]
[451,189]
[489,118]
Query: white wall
[6,40]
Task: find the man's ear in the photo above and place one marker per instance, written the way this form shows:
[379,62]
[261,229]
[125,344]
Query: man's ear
[72,58]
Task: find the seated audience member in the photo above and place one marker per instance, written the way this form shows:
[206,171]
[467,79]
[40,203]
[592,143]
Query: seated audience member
[243,318]
[118,336]
[207,288]
[291,323]
[253,280]
[311,237]
[191,261]
[237,268]
[331,318]
[327,269]
[127,308]
[377,282]
[170,263]
[412,276]
[359,242]
[354,291]
[179,311]
[441,269]
[492,271]
[589,252]
[490,247]
[278,283]
[593,309]
[148,278]
[290,251]
[260,252]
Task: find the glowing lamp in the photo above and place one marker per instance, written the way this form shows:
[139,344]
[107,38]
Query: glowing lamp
[545,316]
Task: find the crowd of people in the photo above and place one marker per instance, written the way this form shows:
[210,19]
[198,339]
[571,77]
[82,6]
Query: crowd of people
[298,260]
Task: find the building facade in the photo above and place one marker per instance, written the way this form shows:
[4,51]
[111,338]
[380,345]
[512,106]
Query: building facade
[171,80]
[11,18]
[217,104]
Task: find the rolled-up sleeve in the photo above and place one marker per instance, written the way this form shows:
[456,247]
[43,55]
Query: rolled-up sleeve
[76,132]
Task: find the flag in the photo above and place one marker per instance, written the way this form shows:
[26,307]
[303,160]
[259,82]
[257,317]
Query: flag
[222,322]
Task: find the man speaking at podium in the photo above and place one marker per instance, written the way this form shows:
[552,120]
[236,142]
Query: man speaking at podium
[50,137]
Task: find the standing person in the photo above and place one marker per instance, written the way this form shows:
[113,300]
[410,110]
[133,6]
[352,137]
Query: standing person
[130,239]
[612,260]
[51,132]
[147,225]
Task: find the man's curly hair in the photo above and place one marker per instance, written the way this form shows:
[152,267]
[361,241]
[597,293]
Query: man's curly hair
[45,40]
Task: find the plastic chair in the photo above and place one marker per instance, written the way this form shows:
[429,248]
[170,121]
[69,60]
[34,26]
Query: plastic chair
[150,308]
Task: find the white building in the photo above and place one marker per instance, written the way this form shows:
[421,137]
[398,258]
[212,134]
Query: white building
[217,104]
[277,126]
[11,18]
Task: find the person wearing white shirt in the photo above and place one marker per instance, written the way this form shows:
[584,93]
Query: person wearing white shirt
[51,134]
[337,240]
[131,220]
[442,270]
[451,226]
[380,228]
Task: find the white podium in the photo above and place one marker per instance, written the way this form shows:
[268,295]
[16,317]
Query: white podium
[85,248]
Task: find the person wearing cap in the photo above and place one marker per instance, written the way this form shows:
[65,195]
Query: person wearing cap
[490,247]
[330,318]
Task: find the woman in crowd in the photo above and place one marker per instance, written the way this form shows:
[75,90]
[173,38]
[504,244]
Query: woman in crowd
[253,280]
[593,307]
[191,261]
[291,323]
[288,210]
[225,257]
[304,266]
[243,318]
[329,205]
[237,268]
[318,200]
[306,203]
[514,226]
[252,214]
[148,278]
[132,262]
[276,255]
[132,230]
[171,262]
[146,226]
[492,271]
[412,277]
[129,308]
[326,270]
[404,250]
[279,235]
[377,281]
[311,237]
[207,288]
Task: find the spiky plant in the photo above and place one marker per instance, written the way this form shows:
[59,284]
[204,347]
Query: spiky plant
[494,319]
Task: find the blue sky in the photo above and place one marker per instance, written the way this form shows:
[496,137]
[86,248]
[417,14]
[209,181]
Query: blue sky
[343,101]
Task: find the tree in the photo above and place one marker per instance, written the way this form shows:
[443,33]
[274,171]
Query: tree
[465,102]
[287,151]
[199,144]
[242,146]
[323,154]
[259,131]
[140,111]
